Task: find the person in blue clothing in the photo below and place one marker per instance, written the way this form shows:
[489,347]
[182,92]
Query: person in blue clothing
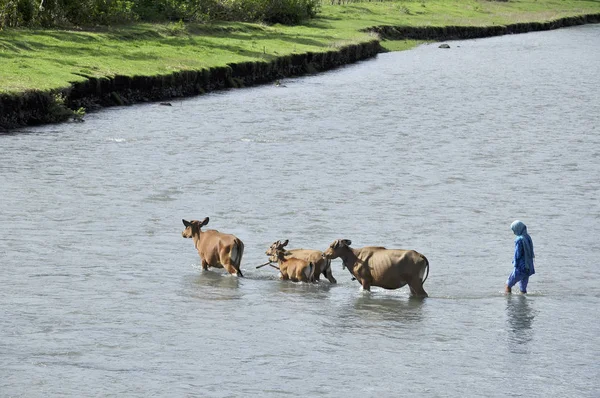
[522,260]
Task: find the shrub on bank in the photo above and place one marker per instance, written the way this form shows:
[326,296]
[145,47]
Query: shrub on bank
[50,13]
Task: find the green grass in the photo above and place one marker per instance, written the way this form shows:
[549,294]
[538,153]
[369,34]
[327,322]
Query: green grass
[50,59]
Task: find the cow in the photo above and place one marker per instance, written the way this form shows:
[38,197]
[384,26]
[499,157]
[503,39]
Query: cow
[378,266]
[296,269]
[322,265]
[215,248]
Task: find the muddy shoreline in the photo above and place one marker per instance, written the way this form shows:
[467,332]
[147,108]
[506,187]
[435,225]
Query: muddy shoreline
[43,107]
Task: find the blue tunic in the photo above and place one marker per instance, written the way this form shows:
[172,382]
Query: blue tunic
[523,259]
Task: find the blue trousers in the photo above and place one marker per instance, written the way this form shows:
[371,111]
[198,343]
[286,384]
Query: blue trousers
[517,276]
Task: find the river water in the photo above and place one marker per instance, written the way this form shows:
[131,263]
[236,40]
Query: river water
[431,149]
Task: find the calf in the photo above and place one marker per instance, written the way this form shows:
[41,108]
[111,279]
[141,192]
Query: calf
[322,265]
[296,269]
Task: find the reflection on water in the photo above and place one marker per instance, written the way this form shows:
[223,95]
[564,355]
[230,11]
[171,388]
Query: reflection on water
[215,285]
[389,308]
[217,279]
[364,315]
[520,317]
[301,288]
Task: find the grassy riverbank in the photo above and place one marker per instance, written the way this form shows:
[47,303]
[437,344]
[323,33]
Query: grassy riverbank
[50,59]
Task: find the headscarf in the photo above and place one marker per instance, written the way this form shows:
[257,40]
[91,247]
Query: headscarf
[520,230]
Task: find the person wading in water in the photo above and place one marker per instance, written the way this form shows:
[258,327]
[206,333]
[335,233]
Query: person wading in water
[523,259]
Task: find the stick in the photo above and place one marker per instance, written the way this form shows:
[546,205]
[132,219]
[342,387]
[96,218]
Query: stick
[262,265]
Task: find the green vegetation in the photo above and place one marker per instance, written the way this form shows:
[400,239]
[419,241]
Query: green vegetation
[52,13]
[61,112]
[46,59]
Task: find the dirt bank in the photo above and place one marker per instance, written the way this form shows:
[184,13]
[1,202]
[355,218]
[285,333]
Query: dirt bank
[472,32]
[40,107]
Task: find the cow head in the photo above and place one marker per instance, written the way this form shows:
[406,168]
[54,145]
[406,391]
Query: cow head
[193,227]
[276,249]
[337,248]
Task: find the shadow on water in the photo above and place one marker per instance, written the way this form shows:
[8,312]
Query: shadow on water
[520,317]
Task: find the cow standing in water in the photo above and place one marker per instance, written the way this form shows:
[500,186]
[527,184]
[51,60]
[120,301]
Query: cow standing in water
[322,265]
[378,266]
[216,249]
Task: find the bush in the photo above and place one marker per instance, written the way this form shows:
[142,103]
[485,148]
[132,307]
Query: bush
[27,11]
[290,12]
[48,13]
[286,12]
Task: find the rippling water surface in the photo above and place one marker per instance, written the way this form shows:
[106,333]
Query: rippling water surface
[434,150]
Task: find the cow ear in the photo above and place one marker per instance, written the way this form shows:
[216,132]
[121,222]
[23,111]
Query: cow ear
[185,222]
[346,242]
[284,244]
[204,222]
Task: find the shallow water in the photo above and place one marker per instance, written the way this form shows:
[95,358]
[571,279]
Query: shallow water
[433,150]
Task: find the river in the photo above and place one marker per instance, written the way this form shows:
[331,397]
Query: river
[436,150]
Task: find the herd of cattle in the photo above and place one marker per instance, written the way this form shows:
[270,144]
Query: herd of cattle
[370,266]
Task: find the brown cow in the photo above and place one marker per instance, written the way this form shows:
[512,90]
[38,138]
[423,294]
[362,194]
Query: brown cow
[378,266]
[322,265]
[215,249]
[296,269]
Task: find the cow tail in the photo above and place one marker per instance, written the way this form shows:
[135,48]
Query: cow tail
[237,251]
[423,271]
[311,272]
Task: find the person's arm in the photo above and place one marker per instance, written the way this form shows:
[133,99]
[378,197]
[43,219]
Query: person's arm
[518,251]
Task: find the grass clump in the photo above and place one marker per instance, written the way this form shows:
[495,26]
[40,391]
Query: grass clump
[58,111]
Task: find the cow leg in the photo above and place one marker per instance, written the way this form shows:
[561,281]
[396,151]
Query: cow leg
[316,277]
[232,269]
[329,275]
[365,285]
[416,288]
[301,276]
[204,265]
